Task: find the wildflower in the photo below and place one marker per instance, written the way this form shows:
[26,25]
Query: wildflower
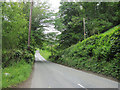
[6,74]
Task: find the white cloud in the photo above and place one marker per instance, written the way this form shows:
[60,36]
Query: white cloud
[51,29]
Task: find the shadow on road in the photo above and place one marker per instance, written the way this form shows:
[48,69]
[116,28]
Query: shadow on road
[42,61]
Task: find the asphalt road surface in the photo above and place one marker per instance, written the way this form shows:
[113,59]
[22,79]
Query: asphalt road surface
[50,75]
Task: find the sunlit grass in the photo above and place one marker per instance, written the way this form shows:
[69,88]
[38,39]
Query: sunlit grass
[45,53]
[15,74]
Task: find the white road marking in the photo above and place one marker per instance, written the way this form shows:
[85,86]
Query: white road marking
[81,86]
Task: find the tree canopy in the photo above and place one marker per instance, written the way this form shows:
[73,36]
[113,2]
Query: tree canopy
[16,18]
[99,17]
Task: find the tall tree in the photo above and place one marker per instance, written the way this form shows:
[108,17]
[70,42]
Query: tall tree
[30,17]
[40,15]
[14,25]
[98,15]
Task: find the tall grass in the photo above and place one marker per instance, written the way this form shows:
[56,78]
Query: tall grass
[15,74]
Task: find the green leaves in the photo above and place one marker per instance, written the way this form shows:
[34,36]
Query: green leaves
[14,25]
[99,17]
[10,57]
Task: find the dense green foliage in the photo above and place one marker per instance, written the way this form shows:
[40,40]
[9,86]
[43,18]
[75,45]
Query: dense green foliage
[15,24]
[15,35]
[9,57]
[98,53]
[15,30]
[16,18]
[15,74]
[100,50]
[99,17]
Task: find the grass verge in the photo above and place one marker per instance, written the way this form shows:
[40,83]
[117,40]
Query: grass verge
[15,74]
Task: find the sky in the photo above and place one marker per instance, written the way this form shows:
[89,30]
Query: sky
[54,4]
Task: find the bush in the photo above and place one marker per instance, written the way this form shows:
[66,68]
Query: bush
[10,57]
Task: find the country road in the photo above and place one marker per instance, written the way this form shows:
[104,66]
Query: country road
[50,75]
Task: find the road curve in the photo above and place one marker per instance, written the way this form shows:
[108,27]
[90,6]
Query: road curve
[50,75]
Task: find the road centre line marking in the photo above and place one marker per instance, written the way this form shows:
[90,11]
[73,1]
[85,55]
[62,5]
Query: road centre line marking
[82,86]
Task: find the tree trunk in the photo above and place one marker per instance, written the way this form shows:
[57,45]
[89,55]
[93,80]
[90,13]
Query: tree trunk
[29,33]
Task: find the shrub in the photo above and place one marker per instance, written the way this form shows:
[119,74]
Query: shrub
[10,57]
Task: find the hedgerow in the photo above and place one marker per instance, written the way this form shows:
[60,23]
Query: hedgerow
[12,56]
[98,53]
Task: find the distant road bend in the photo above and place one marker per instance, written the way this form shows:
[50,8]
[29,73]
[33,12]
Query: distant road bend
[50,75]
